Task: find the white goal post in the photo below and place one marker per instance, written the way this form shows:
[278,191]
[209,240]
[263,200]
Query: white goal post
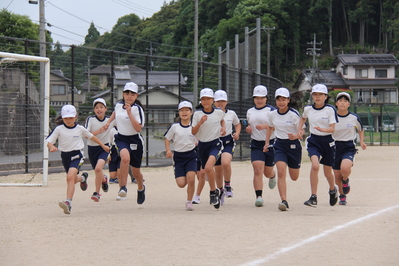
[46,116]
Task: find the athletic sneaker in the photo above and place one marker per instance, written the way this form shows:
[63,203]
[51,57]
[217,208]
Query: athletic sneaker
[259,201]
[222,194]
[345,186]
[95,197]
[283,206]
[83,185]
[122,192]
[196,199]
[66,206]
[120,198]
[189,206]
[342,199]
[141,196]
[104,184]
[333,196]
[114,180]
[312,201]
[134,181]
[214,198]
[229,191]
[272,182]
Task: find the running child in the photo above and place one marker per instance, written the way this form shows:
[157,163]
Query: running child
[287,148]
[320,144]
[262,162]
[129,116]
[97,156]
[223,164]
[207,126]
[345,142]
[185,155]
[70,143]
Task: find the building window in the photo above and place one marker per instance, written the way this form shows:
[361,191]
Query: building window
[361,73]
[344,71]
[380,73]
[58,89]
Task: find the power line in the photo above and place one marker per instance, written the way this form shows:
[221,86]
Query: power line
[134,7]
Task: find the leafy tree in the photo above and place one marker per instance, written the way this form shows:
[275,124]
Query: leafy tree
[93,35]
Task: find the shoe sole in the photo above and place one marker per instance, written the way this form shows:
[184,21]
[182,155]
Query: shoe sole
[83,186]
[272,184]
[120,198]
[122,194]
[258,203]
[64,207]
[282,207]
[309,204]
[95,199]
[194,202]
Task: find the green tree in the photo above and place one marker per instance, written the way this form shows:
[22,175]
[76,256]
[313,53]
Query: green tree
[93,35]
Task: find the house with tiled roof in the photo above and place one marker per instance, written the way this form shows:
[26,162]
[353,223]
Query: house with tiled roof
[371,77]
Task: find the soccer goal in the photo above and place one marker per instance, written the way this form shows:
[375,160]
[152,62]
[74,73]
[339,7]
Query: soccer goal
[23,107]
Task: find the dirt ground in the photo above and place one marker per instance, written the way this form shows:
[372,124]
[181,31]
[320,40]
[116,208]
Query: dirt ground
[35,231]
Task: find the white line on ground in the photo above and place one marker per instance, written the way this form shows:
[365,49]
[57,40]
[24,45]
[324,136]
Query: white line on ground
[316,237]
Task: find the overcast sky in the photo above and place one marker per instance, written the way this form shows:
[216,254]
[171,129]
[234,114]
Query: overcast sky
[71,18]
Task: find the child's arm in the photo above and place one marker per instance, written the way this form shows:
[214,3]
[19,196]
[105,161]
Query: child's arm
[51,147]
[96,140]
[194,130]
[236,135]
[169,153]
[361,136]
[223,129]
[268,134]
[136,125]
[301,131]
[329,129]
[106,126]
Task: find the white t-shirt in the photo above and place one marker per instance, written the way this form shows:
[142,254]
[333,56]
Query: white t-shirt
[346,127]
[182,137]
[69,138]
[284,123]
[94,124]
[320,117]
[123,123]
[230,119]
[256,117]
[210,129]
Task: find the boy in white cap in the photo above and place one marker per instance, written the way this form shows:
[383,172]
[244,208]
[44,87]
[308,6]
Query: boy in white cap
[207,126]
[184,155]
[262,162]
[287,148]
[70,143]
[97,156]
[223,164]
[320,144]
[345,136]
[129,116]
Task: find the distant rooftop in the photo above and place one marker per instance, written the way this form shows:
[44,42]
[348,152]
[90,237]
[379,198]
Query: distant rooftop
[366,59]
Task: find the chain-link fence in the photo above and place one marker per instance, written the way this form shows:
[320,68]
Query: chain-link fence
[81,74]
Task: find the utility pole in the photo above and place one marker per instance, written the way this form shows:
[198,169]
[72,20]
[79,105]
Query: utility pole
[151,49]
[195,89]
[268,48]
[314,52]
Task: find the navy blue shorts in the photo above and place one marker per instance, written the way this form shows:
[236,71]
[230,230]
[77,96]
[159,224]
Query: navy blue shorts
[288,151]
[257,153]
[344,150]
[72,159]
[206,149]
[114,162]
[229,145]
[96,153]
[184,162]
[134,144]
[321,146]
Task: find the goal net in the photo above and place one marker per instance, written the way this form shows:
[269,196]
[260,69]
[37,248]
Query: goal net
[24,119]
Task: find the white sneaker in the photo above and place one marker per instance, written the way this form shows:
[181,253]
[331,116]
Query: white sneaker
[196,199]
[122,193]
[272,182]
[189,206]
[259,202]
[120,198]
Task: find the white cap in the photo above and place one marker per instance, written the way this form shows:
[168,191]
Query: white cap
[68,111]
[319,88]
[185,104]
[131,86]
[260,91]
[345,94]
[99,100]
[206,93]
[282,92]
[220,95]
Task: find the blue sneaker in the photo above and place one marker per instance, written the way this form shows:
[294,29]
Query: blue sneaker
[114,180]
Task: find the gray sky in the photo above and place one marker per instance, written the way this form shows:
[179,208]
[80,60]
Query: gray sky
[71,18]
